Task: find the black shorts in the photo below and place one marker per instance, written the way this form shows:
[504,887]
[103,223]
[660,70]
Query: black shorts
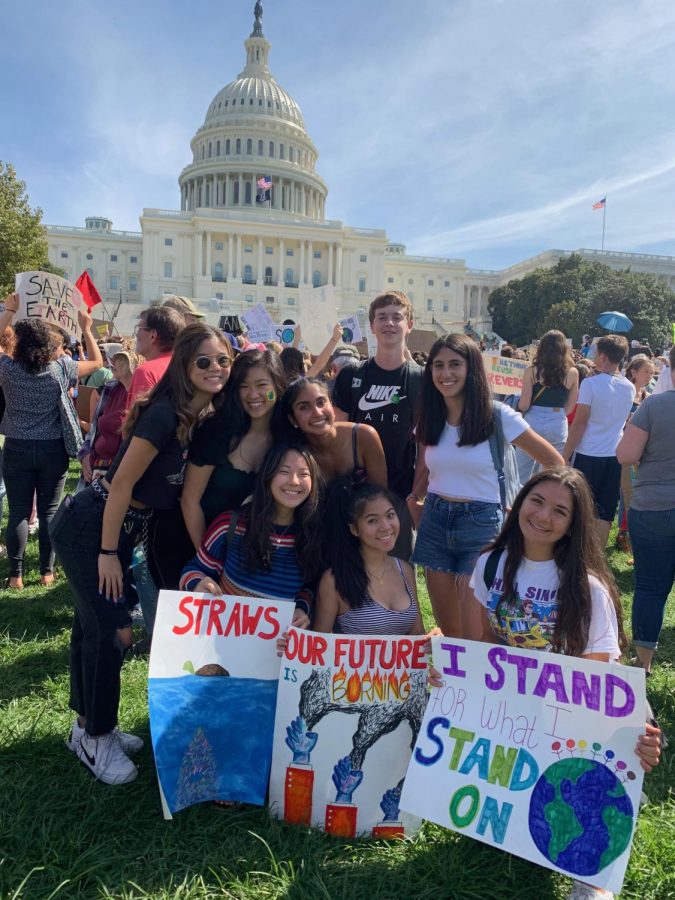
[603,474]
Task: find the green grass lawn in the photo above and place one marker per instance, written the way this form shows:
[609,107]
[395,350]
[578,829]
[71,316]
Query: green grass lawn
[62,834]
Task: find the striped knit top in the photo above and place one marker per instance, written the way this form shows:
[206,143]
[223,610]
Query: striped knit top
[225,562]
[373,618]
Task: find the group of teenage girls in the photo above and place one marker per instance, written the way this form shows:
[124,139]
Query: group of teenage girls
[280,500]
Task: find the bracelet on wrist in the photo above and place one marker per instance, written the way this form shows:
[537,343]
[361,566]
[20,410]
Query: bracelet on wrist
[102,552]
[418,500]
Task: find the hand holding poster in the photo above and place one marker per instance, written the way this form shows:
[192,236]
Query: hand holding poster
[534,754]
[212,691]
[50,298]
[259,324]
[348,711]
[351,330]
[505,375]
[317,316]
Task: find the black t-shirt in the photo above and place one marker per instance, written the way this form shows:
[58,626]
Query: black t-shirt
[387,399]
[160,485]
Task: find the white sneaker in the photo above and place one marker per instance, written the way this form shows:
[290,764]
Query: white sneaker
[130,743]
[581,891]
[106,759]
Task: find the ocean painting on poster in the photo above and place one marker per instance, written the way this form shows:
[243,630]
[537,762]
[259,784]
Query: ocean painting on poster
[212,693]
[348,711]
[533,753]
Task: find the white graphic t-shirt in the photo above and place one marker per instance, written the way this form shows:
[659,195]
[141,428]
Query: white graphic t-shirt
[528,618]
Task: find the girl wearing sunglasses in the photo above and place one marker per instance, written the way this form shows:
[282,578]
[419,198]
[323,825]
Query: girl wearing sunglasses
[228,449]
[95,531]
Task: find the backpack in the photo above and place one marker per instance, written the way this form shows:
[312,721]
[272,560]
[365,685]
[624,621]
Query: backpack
[504,460]
[491,566]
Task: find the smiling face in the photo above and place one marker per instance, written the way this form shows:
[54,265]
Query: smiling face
[448,373]
[257,392]
[390,325]
[212,379]
[312,411]
[546,515]
[378,526]
[291,484]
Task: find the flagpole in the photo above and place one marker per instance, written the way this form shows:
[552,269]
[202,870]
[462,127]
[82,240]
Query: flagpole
[604,214]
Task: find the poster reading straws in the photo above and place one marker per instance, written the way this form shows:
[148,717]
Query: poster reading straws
[533,753]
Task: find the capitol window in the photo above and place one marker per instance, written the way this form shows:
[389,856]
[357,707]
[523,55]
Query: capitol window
[446,284]
[269,104]
[250,102]
[64,255]
[113,257]
[446,306]
[260,146]
[237,146]
[269,300]
[219,245]
[363,258]
[249,146]
[168,242]
[247,193]
[430,282]
[248,275]
[217,148]
[390,280]
[203,151]
[219,296]
[282,151]
[291,301]
[218,272]
[248,249]
[249,298]
[227,147]
[210,149]
[133,260]
[269,250]
[290,281]
[260,102]
[317,254]
[271,148]
[430,304]
[290,154]
[290,252]
[241,102]
[114,282]
[90,256]
[133,283]
[316,279]
[168,270]
[410,281]
[268,275]
[362,285]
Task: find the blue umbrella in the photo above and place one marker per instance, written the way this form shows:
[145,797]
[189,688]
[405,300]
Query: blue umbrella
[614,321]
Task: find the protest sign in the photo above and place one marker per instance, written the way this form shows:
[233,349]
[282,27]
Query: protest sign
[212,690]
[259,324]
[348,711]
[534,754]
[50,298]
[285,334]
[317,316]
[351,330]
[505,375]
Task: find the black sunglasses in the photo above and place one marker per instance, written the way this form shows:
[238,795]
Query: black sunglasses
[204,362]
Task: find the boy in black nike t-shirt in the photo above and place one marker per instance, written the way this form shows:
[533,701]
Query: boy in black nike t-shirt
[384,393]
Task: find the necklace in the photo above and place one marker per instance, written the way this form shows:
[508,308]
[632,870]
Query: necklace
[281,533]
[379,578]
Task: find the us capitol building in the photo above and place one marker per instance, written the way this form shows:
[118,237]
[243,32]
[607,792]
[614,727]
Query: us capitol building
[229,252]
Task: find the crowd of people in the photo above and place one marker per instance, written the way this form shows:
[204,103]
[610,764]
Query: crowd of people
[211,464]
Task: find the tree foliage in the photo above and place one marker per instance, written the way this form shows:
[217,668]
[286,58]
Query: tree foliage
[23,239]
[571,296]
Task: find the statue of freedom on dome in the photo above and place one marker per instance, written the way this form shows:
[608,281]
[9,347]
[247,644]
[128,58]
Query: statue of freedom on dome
[257,12]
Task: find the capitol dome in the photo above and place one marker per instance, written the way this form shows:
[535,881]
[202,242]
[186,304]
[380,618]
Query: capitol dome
[253,129]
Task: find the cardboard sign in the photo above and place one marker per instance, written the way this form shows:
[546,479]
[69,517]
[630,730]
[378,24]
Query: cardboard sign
[285,334]
[50,298]
[505,375]
[317,316]
[533,753]
[212,692]
[351,330]
[348,712]
[259,324]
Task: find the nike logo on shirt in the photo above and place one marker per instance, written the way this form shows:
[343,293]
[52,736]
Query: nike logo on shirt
[380,395]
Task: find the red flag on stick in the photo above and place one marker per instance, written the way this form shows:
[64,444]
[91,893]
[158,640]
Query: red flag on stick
[87,288]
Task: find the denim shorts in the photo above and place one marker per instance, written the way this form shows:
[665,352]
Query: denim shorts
[453,533]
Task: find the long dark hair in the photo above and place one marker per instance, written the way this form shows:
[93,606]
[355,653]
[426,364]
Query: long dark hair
[34,348]
[233,419]
[176,386]
[476,421]
[346,562]
[578,555]
[296,386]
[553,359]
[257,543]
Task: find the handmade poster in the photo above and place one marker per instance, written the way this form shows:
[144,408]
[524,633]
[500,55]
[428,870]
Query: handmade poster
[285,334]
[50,298]
[351,330]
[259,324]
[212,691]
[505,375]
[533,753]
[317,316]
[348,712]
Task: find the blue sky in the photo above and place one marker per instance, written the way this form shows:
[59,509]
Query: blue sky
[479,129]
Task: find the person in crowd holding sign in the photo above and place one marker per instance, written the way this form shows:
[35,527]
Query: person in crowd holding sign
[271,548]
[365,590]
[294,363]
[35,459]
[463,507]
[549,394]
[95,531]
[649,443]
[383,392]
[549,550]
[228,449]
[340,448]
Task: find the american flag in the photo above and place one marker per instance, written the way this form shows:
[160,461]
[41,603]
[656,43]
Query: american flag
[599,205]
[264,194]
[265,183]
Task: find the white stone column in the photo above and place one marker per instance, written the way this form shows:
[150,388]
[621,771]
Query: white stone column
[259,275]
[209,242]
[230,273]
[238,256]
[310,262]
[338,267]
[282,263]
[330,263]
[301,278]
[197,253]
[226,191]
[241,198]
[214,198]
